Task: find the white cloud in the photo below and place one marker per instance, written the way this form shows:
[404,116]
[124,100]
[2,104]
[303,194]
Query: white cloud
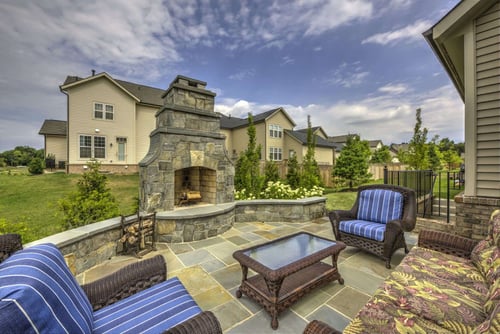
[243,74]
[348,75]
[287,60]
[385,116]
[407,34]
[393,88]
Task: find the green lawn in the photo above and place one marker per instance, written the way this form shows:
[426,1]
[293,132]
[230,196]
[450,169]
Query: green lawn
[28,203]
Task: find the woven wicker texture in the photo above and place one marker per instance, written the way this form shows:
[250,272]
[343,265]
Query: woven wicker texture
[446,243]
[394,232]
[9,243]
[205,323]
[319,327]
[125,282]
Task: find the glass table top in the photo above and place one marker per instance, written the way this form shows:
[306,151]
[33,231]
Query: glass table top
[283,252]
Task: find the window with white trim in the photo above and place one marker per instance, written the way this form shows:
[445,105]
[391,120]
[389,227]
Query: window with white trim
[275,131]
[275,153]
[104,111]
[92,147]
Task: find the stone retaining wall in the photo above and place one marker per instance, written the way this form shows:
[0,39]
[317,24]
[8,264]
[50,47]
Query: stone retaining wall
[87,246]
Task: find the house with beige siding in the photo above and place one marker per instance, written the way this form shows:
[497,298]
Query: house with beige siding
[111,121]
[467,42]
[55,140]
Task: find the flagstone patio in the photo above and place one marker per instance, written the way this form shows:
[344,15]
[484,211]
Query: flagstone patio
[211,275]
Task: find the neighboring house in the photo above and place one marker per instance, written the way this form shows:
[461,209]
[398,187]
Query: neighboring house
[395,149]
[110,120]
[467,42]
[274,132]
[55,140]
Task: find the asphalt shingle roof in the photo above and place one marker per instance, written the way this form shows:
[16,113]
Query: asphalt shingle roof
[302,137]
[146,94]
[53,127]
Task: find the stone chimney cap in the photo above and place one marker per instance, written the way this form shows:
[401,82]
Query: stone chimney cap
[183,80]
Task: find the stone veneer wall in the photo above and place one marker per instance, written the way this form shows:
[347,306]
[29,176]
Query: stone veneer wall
[473,215]
[87,246]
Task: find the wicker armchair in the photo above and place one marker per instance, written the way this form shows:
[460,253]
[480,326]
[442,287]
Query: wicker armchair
[126,282]
[381,236]
[9,243]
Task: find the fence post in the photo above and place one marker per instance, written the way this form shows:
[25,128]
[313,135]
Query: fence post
[385,175]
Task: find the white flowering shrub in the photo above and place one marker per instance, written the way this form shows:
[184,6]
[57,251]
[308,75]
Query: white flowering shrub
[279,190]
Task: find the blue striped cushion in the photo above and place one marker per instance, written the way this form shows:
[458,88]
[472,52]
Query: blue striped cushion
[153,310]
[380,205]
[38,293]
[363,228]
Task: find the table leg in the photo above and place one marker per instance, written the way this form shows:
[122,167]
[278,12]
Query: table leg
[274,289]
[334,264]
[244,274]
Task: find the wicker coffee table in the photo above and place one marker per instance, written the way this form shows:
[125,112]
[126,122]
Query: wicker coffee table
[287,268]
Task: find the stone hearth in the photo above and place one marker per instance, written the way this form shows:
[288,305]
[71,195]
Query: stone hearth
[187,151]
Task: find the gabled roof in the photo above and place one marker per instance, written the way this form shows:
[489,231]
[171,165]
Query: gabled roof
[444,38]
[374,143]
[302,138]
[53,127]
[230,122]
[140,93]
[315,129]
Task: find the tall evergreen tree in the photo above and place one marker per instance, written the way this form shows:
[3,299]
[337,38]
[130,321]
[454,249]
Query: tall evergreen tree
[418,157]
[310,171]
[293,174]
[353,162]
[247,174]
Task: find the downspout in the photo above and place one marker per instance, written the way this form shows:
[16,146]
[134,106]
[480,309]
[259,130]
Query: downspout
[67,128]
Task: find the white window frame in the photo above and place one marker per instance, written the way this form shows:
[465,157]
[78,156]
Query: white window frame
[106,110]
[275,154]
[96,147]
[275,131]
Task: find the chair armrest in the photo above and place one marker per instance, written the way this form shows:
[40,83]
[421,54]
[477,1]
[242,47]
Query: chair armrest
[203,323]
[336,216]
[126,281]
[9,243]
[446,243]
[319,327]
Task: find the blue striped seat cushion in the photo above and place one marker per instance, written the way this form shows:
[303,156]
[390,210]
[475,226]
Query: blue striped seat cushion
[38,294]
[363,228]
[380,205]
[153,310]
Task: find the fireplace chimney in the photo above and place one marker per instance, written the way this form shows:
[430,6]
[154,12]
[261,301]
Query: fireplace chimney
[187,150]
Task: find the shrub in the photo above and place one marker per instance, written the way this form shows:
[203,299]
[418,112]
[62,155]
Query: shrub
[92,201]
[279,190]
[35,166]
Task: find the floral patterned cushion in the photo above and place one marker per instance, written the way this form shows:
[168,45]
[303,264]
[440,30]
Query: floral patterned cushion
[492,324]
[429,292]
[488,263]
[494,228]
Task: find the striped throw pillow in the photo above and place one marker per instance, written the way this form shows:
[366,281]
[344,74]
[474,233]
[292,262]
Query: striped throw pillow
[38,294]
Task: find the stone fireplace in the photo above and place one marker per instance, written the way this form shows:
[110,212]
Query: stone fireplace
[187,151]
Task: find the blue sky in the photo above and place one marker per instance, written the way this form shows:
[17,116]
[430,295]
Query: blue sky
[354,66]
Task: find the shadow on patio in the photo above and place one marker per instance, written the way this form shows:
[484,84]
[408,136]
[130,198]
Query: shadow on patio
[211,275]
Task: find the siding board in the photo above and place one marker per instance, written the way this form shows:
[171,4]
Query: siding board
[487,62]
[488,41]
[494,48]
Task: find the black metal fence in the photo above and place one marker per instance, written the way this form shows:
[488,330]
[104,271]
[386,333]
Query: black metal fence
[433,189]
